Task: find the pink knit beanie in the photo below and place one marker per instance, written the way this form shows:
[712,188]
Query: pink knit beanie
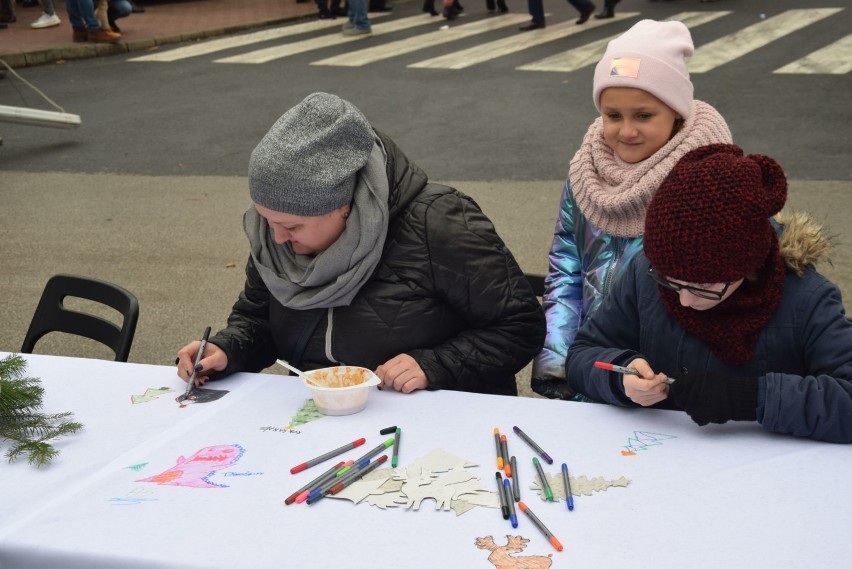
[650,56]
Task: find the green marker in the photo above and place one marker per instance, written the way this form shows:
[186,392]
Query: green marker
[548,493]
[376,450]
[395,456]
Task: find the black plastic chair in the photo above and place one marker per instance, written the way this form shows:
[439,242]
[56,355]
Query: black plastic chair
[51,315]
[536,282]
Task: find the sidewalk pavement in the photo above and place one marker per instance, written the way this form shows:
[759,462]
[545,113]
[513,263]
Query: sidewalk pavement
[163,22]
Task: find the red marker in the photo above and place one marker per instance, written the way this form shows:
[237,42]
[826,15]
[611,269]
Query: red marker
[626,370]
[326,456]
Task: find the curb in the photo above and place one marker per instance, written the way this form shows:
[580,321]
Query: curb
[90,50]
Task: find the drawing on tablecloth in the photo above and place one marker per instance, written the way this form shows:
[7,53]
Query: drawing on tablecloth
[201,395]
[502,556]
[438,476]
[305,414]
[195,471]
[641,440]
[150,394]
[137,467]
[580,485]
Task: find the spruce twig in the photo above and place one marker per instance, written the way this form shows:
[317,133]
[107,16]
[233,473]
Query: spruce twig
[21,420]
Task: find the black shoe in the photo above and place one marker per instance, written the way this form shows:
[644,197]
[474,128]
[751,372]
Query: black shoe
[605,13]
[450,14]
[458,7]
[532,26]
[429,7]
[490,6]
[501,4]
[584,15]
[113,26]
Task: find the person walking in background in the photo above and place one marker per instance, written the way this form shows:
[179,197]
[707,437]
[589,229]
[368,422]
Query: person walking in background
[536,9]
[608,10]
[358,24]
[725,302]
[85,25]
[7,14]
[357,259]
[48,17]
[648,121]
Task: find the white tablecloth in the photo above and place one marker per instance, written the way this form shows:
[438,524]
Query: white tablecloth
[718,496]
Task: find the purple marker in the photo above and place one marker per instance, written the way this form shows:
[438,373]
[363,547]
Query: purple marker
[535,447]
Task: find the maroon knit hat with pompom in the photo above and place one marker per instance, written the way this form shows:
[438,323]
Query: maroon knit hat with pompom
[709,220]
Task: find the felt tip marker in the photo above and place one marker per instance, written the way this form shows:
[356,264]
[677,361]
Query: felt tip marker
[504,450]
[376,450]
[625,370]
[507,488]
[569,497]
[499,452]
[516,487]
[326,456]
[504,507]
[550,537]
[307,487]
[533,444]
[197,365]
[545,485]
[361,473]
[395,453]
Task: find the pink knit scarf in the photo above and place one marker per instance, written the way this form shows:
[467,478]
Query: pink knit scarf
[613,194]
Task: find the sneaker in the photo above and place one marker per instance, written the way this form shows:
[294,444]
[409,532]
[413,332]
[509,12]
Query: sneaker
[356,31]
[46,21]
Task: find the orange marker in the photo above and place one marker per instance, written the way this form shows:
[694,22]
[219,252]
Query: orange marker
[499,452]
[504,451]
[550,537]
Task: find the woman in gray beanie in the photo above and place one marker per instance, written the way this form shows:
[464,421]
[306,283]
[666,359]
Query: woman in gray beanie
[357,259]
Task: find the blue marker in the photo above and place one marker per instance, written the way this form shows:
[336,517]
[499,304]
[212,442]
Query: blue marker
[569,498]
[507,488]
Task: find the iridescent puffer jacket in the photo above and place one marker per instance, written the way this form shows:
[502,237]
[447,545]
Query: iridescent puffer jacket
[584,262]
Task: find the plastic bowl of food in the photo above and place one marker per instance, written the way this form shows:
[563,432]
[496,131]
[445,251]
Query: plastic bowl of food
[340,390]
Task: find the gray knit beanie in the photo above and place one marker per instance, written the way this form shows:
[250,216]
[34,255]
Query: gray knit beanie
[308,162]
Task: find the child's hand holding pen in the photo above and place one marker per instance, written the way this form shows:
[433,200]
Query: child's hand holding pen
[641,384]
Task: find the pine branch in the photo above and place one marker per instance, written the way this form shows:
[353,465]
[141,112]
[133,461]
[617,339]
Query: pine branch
[21,419]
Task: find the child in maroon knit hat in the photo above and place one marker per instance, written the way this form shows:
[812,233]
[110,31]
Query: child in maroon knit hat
[726,302]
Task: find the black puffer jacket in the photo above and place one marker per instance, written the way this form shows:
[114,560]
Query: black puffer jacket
[447,291]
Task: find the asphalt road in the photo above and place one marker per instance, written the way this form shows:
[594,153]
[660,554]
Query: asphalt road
[149,192]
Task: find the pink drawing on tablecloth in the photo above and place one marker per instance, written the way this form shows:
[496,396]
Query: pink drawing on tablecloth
[196,470]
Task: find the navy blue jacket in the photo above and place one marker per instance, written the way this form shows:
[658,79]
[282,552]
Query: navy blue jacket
[803,357]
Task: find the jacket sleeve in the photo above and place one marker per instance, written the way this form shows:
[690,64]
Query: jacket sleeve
[611,334]
[818,406]
[247,339]
[475,273]
[563,300]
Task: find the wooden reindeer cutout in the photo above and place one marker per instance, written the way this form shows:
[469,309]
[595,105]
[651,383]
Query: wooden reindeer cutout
[501,555]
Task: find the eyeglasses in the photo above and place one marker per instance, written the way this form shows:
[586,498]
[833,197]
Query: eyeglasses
[677,287]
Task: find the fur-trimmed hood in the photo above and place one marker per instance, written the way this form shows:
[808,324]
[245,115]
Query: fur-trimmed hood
[802,240]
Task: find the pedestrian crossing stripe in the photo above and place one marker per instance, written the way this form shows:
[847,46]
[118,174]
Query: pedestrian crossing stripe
[834,59]
[431,39]
[591,53]
[518,42]
[288,49]
[732,46]
[230,42]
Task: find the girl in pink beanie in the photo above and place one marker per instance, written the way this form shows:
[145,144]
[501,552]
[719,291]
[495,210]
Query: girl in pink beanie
[648,121]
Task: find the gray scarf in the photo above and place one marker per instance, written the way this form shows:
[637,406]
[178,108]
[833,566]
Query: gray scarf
[333,277]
